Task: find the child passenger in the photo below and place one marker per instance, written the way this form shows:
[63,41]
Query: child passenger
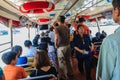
[11,71]
[17,49]
[21,59]
[42,65]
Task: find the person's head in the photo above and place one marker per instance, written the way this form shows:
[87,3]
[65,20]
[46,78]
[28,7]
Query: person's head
[17,49]
[77,22]
[80,29]
[103,31]
[102,36]
[69,25]
[90,32]
[55,24]
[116,11]
[42,34]
[27,43]
[51,28]
[10,58]
[61,20]
[41,59]
[81,20]
[98,35]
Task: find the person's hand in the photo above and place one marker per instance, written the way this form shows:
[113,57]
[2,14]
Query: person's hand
[86,52]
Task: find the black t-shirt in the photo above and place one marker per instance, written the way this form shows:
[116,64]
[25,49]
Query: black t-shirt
[40,72]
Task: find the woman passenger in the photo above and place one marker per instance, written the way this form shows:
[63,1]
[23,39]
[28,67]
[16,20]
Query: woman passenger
[42,65]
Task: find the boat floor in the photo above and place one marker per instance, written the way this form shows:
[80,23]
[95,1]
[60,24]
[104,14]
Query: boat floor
[77,75]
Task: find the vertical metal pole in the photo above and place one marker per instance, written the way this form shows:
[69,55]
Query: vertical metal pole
[11,32]
[37,29]
[98,24]
[28,32]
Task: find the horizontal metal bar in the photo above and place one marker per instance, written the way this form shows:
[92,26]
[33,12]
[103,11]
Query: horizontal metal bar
[91,6]
[39,77]
[5,49]
[5,43]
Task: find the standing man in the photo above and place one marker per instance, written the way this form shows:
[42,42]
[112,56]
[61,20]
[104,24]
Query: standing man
[62,42]
[108,67]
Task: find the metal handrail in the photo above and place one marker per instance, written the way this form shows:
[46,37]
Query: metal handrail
[40,77]
[5,49]
[5,43]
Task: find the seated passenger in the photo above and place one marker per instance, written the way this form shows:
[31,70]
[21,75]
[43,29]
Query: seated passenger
[1,74]
[11,71]
[42,65]
[43,46]
[18,50]
[31,50]
[97,37]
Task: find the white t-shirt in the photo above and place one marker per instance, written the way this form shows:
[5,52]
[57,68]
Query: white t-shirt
[51,48]
[51,35]
[31,51]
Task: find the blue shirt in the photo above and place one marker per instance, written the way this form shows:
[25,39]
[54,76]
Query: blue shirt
[108,67]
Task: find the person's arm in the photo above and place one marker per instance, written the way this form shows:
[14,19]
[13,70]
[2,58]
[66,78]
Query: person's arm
[76,45]
[56,40]
[56,37]
[106,60]
[73,22]
[79,50]
[76,17]
[24,74]
[88,30]
[92,47]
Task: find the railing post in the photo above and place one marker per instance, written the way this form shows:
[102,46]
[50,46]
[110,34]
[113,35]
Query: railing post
[98,24]
[28,27]
[11,32]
